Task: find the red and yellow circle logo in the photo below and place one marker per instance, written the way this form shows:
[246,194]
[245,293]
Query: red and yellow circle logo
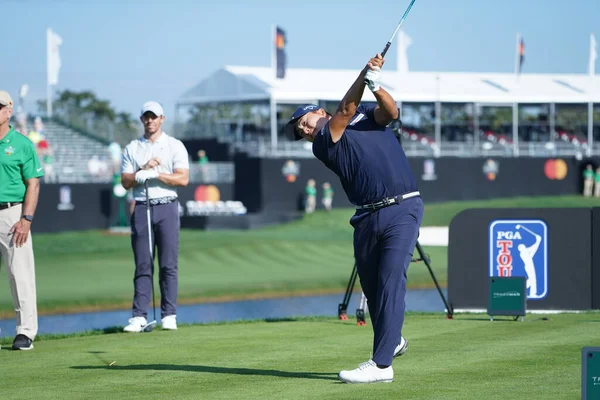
[555,169]
[207,193]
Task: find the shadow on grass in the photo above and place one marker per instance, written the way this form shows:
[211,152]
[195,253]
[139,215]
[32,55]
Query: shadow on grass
[283,319]
[215,370]
[504,319]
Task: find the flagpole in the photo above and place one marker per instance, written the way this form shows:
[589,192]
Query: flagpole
[274,50]
[593,56]
[48,88]
[515,105]
[590,128]
[49,101]
[272,101]
[591,72]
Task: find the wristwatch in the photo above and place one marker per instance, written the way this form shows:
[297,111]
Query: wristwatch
[28,217]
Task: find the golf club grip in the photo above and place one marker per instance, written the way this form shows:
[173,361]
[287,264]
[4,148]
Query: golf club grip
[385,49]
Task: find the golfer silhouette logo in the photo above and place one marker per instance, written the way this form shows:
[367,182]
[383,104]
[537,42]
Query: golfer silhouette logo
[527,254]
[520,248]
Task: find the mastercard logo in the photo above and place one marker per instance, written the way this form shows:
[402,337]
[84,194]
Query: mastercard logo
[555,169]
[207,193]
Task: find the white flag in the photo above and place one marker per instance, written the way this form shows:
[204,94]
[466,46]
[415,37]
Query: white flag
[53,56]
[593,55]
[404,41]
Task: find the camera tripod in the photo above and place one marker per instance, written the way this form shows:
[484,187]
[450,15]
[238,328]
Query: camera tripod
[360,311]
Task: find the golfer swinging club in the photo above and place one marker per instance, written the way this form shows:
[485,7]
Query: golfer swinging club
[527,254]
[356,144]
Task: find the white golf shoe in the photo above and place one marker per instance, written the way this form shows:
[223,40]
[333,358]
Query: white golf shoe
[136,324]
[169,322]
[368,372]
[401,348]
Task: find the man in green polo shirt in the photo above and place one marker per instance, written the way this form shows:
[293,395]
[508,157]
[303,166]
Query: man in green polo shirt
[20,171]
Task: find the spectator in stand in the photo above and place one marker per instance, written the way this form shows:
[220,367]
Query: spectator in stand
[38,126]
[327,196]
[203,163]
[588,180]
[311,196]
[47,164]
[103,170]
[115,153]
[35,137]
[94,166]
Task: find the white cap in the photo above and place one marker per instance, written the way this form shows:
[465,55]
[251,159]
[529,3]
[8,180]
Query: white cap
[154,107]
[5,98]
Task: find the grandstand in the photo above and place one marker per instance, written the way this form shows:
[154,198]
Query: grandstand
[71,152]
[443,114]
[72,149]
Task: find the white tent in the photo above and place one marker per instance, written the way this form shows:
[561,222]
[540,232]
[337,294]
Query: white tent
[306,85]
[236,83]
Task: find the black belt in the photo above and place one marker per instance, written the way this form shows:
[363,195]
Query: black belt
[157,201]
[8,205]
[388,201]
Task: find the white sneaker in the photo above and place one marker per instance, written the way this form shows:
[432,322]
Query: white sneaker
[136,324]
[368,372]
[401,348]
[169,322]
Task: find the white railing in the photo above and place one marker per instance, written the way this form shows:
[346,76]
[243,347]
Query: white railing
[303,149]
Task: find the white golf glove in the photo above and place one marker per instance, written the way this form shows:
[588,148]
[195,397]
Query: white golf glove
[372,77]
[145,174]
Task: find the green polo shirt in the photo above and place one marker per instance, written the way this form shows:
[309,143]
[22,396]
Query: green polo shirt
[18,163]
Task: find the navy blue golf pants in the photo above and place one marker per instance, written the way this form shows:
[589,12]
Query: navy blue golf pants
[384,242]
[165,237]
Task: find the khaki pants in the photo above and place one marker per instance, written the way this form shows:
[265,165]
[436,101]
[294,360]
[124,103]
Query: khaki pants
[20,267]
[588,186]
[311,203]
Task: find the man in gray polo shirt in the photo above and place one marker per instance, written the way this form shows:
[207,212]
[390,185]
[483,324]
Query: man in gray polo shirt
[163,161]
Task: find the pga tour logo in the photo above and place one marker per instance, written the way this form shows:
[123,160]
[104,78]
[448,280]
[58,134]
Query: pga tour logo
[520,248]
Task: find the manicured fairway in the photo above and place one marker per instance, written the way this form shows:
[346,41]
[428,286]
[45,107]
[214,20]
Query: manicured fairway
[465,358]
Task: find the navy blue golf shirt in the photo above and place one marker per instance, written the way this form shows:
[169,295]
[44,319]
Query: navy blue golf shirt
[368,159]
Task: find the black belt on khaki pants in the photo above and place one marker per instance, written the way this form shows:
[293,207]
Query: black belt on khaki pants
[157,201]
[388,201]
[8,205]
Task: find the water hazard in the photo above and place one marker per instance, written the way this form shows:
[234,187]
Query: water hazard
[425,300]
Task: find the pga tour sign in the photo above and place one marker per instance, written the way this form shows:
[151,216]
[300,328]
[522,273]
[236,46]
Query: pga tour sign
[520,248]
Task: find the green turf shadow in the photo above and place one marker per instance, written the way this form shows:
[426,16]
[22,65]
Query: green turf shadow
[214,370]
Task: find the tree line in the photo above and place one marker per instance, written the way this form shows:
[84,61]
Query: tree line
[97,117]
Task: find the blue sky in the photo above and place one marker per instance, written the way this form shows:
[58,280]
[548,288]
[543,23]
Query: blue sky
[130,51]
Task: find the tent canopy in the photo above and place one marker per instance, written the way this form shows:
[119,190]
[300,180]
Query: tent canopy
[307,85]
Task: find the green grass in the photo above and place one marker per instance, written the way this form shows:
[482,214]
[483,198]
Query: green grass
[465,358]
[87,270]
[441,214]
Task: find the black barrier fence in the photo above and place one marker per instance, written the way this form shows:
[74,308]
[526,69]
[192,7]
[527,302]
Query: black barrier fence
[555,248]
[215,150]
[596,258]
[93,206]
[279,184]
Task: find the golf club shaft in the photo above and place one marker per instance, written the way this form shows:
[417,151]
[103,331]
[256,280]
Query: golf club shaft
[389,43]
[528,230]
[150,247]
